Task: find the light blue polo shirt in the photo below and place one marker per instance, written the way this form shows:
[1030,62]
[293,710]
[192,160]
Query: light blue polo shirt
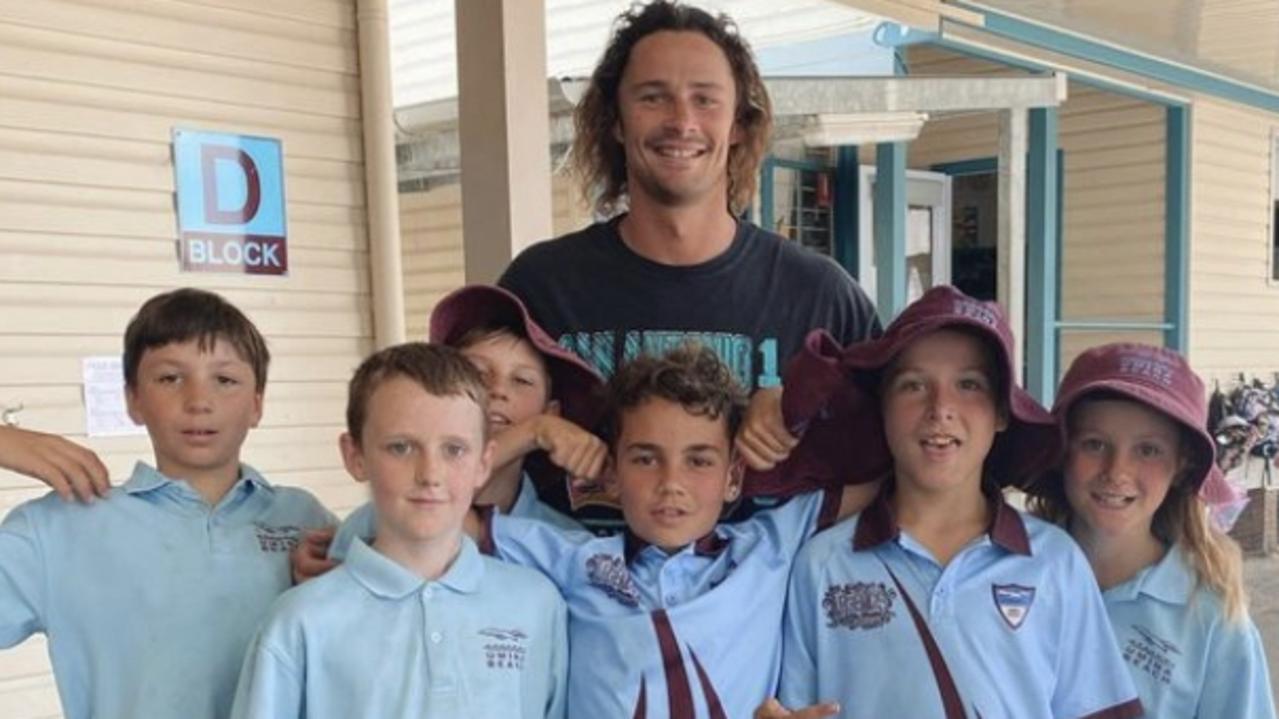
[1015,617]
[1186,658]
[372,639]
[149,597]
[693,635]
[362,522]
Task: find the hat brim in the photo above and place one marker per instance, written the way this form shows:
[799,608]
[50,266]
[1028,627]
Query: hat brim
[574,384]
[1029,444]
[1203,453]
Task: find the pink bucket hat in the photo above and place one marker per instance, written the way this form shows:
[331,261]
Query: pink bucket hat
[1155,377]
[832,399]
[575,384]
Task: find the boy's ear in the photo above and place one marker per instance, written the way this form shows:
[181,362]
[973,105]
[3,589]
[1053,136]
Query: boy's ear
[257,409]
[352,456]
[736,476]
[608,479]
[130,401]
[552,408]
[486,463]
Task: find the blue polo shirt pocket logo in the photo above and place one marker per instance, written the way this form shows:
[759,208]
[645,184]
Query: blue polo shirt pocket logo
[504,648]
[860,605]
[1013,602]
[1152,655]
[277,539]
[608,573]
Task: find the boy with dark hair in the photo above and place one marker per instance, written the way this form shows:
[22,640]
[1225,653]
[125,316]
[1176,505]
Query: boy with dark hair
[150,596]
[657,610]
[417,623]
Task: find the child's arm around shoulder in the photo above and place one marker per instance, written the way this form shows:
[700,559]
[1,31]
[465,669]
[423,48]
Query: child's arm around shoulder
[570,447]
[69,469]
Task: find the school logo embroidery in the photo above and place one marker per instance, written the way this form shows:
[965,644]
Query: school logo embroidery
[504,648]
[608,573]
[975,310]
[1013,602]
[1151,365]
[860,605]
[277,539]
[1152,655]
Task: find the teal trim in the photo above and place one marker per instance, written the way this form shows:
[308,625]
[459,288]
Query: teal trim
[846,215]
[1041,255]
[766,193]
[890,229]
[800,165]
[1177,228]
[1111,325]
[980,166]
[1022,63]
[1125,60]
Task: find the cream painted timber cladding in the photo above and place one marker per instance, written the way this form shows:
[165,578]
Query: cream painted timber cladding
[89,93]
[1113,221]
[1234,306]
[431,225]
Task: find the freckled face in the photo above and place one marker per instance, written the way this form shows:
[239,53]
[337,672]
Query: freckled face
[1121,460]
[424,457]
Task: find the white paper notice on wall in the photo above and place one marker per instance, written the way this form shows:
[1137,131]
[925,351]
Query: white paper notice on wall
[105,414]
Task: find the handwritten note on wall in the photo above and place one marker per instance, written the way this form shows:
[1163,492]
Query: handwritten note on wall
[105,413]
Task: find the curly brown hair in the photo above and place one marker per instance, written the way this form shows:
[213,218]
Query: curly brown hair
[691,375]
[598,160]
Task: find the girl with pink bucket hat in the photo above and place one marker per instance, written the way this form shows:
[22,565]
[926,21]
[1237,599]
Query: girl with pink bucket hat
[1139,466]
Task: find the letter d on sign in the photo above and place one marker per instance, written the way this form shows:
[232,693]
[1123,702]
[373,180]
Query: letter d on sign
[213,156]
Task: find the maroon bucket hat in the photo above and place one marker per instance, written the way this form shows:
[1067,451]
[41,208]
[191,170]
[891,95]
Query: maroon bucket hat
[832,398]
[1030,443]
[575,384]
[1156,377]
[841,442]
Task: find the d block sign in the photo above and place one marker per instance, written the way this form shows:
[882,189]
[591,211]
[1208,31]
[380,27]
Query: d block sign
[230,203]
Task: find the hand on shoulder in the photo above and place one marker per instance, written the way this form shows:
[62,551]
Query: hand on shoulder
[72,471]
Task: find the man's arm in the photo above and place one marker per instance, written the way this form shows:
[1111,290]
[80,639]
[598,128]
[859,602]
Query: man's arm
[69,469]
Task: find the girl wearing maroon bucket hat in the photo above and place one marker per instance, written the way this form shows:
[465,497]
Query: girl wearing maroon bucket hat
[939,599]
[1131,491]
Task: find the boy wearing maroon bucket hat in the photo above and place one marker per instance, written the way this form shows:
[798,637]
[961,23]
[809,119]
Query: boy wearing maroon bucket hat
[541,397]
[939,599]
[1131,491]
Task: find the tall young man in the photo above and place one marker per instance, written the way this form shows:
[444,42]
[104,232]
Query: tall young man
[672,129]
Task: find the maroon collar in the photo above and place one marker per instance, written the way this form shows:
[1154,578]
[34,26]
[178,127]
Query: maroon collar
[876,526]
[709,545]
